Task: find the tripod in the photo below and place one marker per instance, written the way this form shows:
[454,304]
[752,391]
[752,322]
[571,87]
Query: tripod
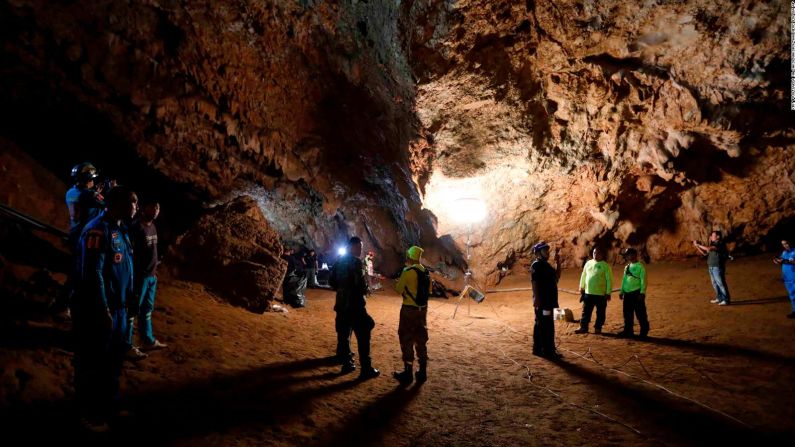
[467,276]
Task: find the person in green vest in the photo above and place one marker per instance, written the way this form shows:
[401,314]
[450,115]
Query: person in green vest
[633,293]
[596,283]
[414,286]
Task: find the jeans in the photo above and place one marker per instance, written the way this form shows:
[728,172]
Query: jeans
[145,291]
[718,277]
[635,305]
[790,286]
[588,304]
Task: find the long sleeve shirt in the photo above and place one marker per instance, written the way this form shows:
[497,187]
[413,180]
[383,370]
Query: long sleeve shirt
[596,278]
[348,279]
[107,264]
[408,284]
[788,270]
[634,278]
[545,279]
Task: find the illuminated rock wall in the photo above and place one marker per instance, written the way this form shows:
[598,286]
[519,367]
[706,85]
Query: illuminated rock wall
[575,121]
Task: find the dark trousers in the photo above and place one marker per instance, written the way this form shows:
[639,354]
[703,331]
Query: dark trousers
[588,304]
[360,324]
[413,333]
[635,305]
[293,289]
[64,301]
[544,333]
[98,358]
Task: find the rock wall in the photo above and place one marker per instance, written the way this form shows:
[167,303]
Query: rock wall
[235,251]
[582,122]
[305,96]
[576,121]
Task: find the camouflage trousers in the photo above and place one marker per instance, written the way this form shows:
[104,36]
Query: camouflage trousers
[413,333]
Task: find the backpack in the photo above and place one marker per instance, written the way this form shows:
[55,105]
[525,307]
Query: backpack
[423,286]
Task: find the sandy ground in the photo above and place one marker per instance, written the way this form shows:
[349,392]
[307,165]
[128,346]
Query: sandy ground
[709,374]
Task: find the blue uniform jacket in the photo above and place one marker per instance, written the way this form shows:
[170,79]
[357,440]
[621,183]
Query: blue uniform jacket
[107,263]
[788,270]
[84,206]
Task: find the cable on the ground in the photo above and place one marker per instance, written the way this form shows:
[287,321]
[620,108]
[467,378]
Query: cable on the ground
[529,377]
[648,382]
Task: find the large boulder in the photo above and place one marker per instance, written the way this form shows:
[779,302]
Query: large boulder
[235,251]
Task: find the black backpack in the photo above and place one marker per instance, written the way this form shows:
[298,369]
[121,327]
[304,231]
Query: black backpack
[423,286]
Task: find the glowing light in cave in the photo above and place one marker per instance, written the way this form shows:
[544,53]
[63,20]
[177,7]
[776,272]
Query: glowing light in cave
[455,201]
[342,251]
[468,210]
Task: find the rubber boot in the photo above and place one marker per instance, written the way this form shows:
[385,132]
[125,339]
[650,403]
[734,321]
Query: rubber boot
[422,373]
[406,376]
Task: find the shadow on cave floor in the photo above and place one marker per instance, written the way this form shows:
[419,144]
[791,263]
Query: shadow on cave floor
[670,415]
[712,349]
[778,299]
[262,398]
[368,426]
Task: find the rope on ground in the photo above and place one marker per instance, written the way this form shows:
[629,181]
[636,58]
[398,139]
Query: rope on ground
[529,377]
[658,386]
[648,382]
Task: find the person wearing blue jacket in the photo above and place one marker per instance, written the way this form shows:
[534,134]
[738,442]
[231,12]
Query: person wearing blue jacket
[100,310]
[787,263]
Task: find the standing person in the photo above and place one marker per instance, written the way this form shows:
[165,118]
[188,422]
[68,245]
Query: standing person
[294,283]
[787,263]
[348,279]
[372,277]
[310,261]
[717,254]
[100,310]
[596,284]
[633,293]
[84,203]
[144,238]
[414,286]
[544,279]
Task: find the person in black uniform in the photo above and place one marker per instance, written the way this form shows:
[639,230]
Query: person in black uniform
[544,279]
[349,280]
[294,284]
[100,310]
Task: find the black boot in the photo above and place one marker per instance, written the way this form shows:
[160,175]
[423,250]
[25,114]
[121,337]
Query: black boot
[406,376]
[368,372]
[422,373]
[348,367]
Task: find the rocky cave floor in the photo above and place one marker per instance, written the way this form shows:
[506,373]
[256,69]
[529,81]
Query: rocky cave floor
[231,377]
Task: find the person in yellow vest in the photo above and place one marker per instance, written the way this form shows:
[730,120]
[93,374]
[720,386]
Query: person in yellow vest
[596,284]
[633,293]
[414,286]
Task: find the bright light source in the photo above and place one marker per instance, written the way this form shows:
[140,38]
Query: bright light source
[468,210]
[455,201]
[342,251]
